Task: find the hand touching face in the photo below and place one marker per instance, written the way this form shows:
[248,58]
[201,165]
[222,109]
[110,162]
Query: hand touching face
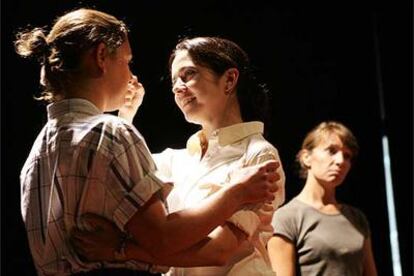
[132,100]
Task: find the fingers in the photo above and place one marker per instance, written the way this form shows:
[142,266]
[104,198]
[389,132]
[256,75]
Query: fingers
[265,218]
[90,222]
[88,245]
[270,165]
[261,181]
[266,228]
[270,179]
[135,89]
[78,242]
[269,197]
[267,208]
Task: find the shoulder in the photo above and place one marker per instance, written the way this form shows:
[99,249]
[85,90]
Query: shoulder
[292,207]
[357,218]
[108,133]
[258,143]
[289,211]
[116,126]
[169,154]
[287,220]
[354,212]
[259,148]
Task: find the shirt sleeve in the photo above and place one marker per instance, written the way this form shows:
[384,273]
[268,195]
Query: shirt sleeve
[283,223]
[133,171]
[164,160]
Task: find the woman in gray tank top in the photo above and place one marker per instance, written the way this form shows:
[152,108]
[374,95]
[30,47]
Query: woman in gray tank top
[314,234]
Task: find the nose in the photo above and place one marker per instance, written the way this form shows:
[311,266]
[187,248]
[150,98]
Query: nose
[132,77]
[339,158]
[178,86]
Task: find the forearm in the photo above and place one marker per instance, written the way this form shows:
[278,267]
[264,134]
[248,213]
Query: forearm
[191,225]
[214,250]
[165,235]
[369,262]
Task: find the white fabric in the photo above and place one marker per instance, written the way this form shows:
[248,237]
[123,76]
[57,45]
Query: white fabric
[247,220]
[195,178]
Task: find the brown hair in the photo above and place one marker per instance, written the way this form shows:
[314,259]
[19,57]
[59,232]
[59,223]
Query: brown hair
[60,52]
[320,132]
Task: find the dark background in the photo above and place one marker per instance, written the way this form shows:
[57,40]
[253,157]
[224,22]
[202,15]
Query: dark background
[318,61]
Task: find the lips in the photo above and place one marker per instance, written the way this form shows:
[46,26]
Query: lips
[187,100]
[337,173]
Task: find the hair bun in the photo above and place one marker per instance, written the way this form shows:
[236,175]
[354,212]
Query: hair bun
[33,44]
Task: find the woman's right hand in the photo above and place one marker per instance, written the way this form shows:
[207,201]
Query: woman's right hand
[133,99]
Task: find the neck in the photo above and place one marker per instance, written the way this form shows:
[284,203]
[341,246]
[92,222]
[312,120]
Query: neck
[317,194]
[91,93]
[231,116]
[209,128]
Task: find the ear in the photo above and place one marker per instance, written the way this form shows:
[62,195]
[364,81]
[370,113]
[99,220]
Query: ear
[306,158]
[231,78]
[101,54]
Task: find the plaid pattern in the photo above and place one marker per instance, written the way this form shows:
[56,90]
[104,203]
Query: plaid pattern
[82,161]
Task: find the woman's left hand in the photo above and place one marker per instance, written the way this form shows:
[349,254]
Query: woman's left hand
[100,241]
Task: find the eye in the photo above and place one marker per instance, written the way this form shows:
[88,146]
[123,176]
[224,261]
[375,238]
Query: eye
[185,75]
[332,150]
[188,74]
[347,155]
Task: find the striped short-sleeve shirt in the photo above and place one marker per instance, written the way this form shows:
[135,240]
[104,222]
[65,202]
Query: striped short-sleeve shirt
[83,161]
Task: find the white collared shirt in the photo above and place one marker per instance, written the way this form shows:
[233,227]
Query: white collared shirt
[229,149]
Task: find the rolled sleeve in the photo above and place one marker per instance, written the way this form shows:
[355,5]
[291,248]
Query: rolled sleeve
[137,197]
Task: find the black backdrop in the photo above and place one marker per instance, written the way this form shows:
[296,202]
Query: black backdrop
[318,61]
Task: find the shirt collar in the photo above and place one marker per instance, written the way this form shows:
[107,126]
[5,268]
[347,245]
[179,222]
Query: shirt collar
[76,105]
[226,135]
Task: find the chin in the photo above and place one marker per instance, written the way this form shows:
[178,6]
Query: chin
[336,181]
[191,118]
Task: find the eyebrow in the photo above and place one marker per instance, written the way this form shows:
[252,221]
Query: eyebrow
[174,76]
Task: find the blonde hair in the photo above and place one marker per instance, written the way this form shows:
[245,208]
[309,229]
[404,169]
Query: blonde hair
[320,132]
[60,52]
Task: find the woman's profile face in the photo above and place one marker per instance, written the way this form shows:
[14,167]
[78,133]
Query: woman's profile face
[118,74]
[330,161]
[198,91]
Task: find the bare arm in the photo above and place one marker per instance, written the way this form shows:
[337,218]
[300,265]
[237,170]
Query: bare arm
[369,262]
[102,243]
[215,250]
[282,254]
[163,234]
